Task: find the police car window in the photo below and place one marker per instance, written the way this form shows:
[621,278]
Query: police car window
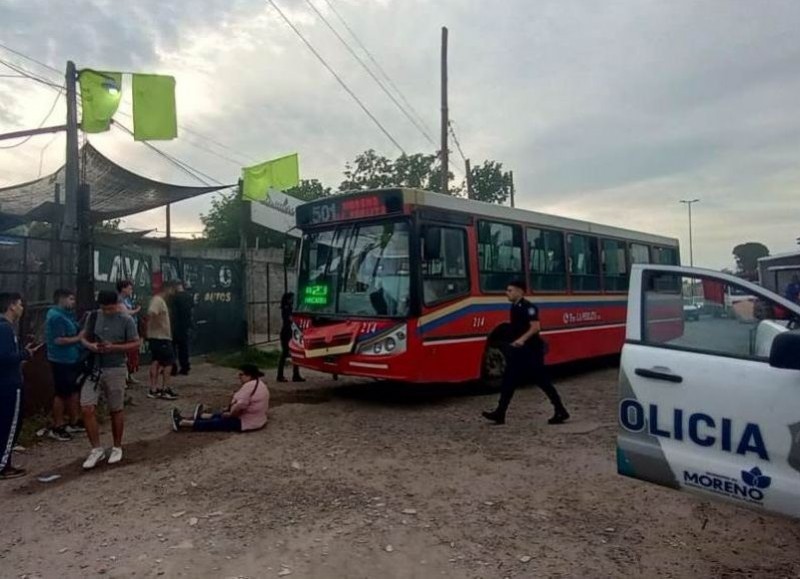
[706,316]
[615,265]
[584,263]
[499,255]
[444,263]
[547,263]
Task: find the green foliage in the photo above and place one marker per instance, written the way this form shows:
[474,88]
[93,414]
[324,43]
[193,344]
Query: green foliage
[746,255]
[223,222]
[309,189]
[490,183]
[372,171]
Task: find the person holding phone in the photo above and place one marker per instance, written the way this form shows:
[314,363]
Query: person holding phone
[11,358]
[109,333]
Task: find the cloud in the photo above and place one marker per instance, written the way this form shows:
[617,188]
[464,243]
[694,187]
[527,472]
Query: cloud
[608,111]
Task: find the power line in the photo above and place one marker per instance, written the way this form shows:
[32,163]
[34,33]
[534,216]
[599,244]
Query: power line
[182,165]
[27,73]
[455,139]
[363,64]
[30,58]
[377,65]
[44,120]
[336,76]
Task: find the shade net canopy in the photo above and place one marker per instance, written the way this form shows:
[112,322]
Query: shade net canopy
[115,192]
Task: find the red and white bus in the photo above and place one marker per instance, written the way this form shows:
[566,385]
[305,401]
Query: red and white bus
[409,285]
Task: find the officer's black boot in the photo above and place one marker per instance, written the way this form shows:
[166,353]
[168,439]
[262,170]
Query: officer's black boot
[560,417]
[495,416]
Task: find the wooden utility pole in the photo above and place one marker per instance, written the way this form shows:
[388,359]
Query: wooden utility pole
[470,193]
[445,121]
[169,230]
[511,178]
[71,176]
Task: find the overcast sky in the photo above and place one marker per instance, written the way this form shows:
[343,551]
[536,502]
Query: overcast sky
[606,111]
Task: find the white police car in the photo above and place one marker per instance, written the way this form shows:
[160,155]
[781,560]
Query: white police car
[711,406]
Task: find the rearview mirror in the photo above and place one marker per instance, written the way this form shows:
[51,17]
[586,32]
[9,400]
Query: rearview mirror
[785,351]
[432,248]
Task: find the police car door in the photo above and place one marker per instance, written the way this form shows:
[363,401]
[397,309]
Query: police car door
[712,404]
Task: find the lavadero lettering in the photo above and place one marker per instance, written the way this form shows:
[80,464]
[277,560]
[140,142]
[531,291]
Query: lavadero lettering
[697,427]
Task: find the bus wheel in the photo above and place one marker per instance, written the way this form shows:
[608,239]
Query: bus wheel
[493,367]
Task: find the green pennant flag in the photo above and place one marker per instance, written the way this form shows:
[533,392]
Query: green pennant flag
[100,96]
[154,116]
[282,173]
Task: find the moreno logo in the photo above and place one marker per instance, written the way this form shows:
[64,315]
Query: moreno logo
[750,488]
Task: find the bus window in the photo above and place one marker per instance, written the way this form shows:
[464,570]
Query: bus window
[615,266]
[548,268]
[665,255]
[499,255]
[640,253]
[584,265]
[444,263]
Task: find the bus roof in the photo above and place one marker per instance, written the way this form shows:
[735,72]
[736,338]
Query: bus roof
[480,209]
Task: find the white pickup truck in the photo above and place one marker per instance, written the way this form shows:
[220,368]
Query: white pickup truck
[711,406]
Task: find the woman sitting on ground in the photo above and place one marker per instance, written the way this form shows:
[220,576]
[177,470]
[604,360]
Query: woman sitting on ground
[247,411]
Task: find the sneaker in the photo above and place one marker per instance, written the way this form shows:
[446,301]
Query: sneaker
[175,419]
[154,393]
[60,434]
[298,379]
[560,417]
[198,412]
[168,394]
[132,381]
[115,456]
[495,417]
[75,428]
[95,456]
[10,472]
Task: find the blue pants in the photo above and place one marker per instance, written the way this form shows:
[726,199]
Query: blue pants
[218,423]
[10,422]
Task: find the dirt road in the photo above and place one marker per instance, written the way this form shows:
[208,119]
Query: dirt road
[360,480]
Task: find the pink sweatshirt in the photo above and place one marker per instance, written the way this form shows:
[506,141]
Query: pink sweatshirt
[253,401]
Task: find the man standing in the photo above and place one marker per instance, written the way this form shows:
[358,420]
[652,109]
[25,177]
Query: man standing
[180,309]
[11,358]
[109,333]
[793,290]
[125,291]
[159,338]
[62,335]
[525,357]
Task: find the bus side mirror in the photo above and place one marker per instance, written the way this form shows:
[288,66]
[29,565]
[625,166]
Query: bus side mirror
[432,248]
[785,351]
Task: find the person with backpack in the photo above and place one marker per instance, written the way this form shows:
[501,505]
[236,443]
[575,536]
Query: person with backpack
[247,410]
[109,333]
[286,336]
[125,291]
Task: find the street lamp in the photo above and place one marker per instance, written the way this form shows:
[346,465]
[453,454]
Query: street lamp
[688,203]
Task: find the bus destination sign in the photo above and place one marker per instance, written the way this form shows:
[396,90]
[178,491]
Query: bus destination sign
[349,207]
[315,295]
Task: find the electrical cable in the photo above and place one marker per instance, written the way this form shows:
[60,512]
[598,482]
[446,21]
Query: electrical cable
[44,120]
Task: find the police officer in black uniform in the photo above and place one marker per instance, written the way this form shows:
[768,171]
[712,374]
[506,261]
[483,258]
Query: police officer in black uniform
[525,357]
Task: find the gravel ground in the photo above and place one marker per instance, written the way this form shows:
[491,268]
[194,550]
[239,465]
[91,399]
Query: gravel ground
[360,479]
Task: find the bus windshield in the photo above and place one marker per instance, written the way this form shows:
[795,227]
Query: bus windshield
[356,269]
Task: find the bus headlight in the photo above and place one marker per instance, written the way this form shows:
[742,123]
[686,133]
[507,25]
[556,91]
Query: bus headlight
[391,342]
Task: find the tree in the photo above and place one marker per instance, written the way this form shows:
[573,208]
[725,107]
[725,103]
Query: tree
[309,189]
[221,225]
[490,183]
[370,170]
[747,255]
